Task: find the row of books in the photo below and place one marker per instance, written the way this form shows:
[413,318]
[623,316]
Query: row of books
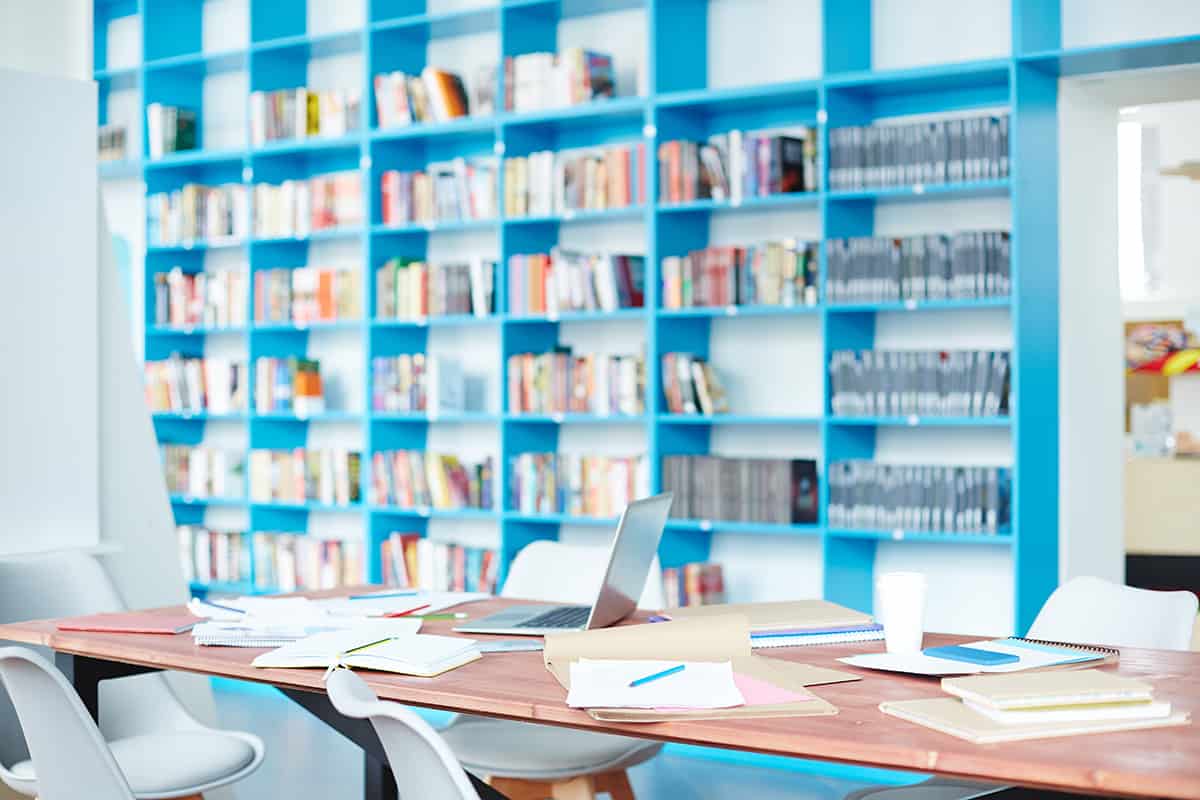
[691,386]
[411,561]
[417,382]
[196,213]
[326,476]
[695,584]
[554,182]
[211,299]
[590,486]
[425,479]
[536,81]
[778,273]
[733,166]
[874,496]
[301,113]
[566,280]
[560,383]
[275,561]
[449,191]
[300,207]
[416,290]
[874,269]
[942,151]
[290,384]
[770,490]
[169,129]
[436,95]
[195,385]
[112,142]
[204,472]
[304,295]
[945,383]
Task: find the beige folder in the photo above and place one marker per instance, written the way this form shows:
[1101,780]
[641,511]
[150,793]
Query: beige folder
[787,615]
[950,715]
[1042,689]
[717,638]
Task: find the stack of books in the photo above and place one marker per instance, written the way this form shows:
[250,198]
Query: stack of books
[565,280]
[297,208]
[561,383]
[873,496]
[771,490]
[195,213]
[204,472]
[287,562]
[212,299]
[300,113]
[304,295]
[733,166]
[413,562]
[422,479]
[794,623]
[782,273]
[194,385]
[290,384]
[696,584]
[941,383]
[436,95]
[942,151]
[209,555]
[556,182]
[691,386]
[535,81]
[329,477]
[417,382]
[582,486]
[111,142]
[987,709]
[169,129]
[414,290]
[876,269]
[447,191]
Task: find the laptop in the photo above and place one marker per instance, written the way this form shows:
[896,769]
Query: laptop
[638,533]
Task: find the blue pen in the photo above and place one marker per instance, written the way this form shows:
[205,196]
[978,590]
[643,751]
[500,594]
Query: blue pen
[223,608]
[657,675]
[381,596]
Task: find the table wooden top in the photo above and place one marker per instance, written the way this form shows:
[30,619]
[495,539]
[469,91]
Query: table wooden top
[1163,762]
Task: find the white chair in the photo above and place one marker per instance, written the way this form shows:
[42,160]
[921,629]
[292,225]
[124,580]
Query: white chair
[1083,610]
[69,751]
[162,750]
[423,764]
[1090,610]
[535,762]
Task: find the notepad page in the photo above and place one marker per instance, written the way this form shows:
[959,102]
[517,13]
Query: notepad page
[599,683]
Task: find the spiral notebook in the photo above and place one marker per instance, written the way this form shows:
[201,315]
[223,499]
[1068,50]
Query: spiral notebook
[815,636]
[1032,654]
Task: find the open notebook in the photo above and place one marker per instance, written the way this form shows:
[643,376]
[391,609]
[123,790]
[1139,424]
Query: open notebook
[1032,654]
[375,647]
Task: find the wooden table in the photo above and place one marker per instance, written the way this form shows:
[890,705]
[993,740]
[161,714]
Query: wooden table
[1150,763]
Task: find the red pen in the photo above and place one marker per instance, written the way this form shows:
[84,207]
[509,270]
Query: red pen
[413,610]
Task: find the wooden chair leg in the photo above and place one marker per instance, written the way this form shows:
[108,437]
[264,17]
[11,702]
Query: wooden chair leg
[581,788]
[521,789]
[616,784]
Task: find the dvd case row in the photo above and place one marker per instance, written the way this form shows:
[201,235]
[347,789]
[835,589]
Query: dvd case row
[943,383]
[768,490]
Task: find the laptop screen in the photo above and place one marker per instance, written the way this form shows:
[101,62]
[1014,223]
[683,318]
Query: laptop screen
[633,551]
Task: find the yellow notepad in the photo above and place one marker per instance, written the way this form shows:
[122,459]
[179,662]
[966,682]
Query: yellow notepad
[1018,690]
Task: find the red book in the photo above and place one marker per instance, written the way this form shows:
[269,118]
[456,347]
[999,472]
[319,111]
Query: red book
[130,622]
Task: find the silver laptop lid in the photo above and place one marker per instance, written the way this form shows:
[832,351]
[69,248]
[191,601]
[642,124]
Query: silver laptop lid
[633,549]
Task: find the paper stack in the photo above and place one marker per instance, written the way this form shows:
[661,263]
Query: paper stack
[1017,706]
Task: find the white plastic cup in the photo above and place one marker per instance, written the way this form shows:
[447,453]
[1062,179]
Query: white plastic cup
[900,600]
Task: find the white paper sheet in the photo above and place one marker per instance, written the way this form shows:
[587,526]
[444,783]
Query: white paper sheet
[605,684]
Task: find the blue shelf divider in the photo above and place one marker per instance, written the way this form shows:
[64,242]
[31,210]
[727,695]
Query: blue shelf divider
[396,35]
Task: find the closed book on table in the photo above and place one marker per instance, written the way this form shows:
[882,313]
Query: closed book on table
[1046,689]
[795,615]
[130,622]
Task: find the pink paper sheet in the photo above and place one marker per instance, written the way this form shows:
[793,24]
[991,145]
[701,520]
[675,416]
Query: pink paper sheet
[758,693]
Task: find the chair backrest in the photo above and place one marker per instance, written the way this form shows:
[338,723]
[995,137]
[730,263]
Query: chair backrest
[70,757]
[424,765]
[71,584]
[1094,611]
[569,573]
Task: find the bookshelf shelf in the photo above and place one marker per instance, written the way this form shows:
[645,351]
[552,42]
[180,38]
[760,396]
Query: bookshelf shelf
[559,519]
[224,587]
[438,513]
[1003,538]
[327,416]
[307,506]
[676,101]
[198,416]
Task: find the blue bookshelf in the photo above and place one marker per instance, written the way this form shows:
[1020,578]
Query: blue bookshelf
[680,103]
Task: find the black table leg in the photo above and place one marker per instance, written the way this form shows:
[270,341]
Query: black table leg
[85,674]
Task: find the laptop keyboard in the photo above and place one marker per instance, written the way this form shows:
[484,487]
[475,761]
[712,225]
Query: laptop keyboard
[564,617]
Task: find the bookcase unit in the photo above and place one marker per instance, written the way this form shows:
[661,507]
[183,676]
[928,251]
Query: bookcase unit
[678,102]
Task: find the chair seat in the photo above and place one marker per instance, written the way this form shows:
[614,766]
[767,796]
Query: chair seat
[506,749]
[171,763]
